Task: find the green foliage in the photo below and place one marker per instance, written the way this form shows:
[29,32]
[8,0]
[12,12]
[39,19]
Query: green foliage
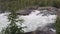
[22,4]
[56,3]
[13,28]
[57,25]
[13,18]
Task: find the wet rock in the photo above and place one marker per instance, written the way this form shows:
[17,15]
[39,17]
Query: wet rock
[48,29]
[45,10]
[48,10]
[28,33]
[24,12]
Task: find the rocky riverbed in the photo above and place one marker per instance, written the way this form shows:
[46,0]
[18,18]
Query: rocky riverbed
[38,21]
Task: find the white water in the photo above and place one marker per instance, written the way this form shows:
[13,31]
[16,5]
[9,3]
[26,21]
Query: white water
[32,21]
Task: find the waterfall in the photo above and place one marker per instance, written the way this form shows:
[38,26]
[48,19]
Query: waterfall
[32,21]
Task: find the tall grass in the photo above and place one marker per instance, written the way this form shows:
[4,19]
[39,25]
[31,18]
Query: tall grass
[20,4]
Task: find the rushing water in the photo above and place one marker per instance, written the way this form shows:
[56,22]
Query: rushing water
[34,20]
